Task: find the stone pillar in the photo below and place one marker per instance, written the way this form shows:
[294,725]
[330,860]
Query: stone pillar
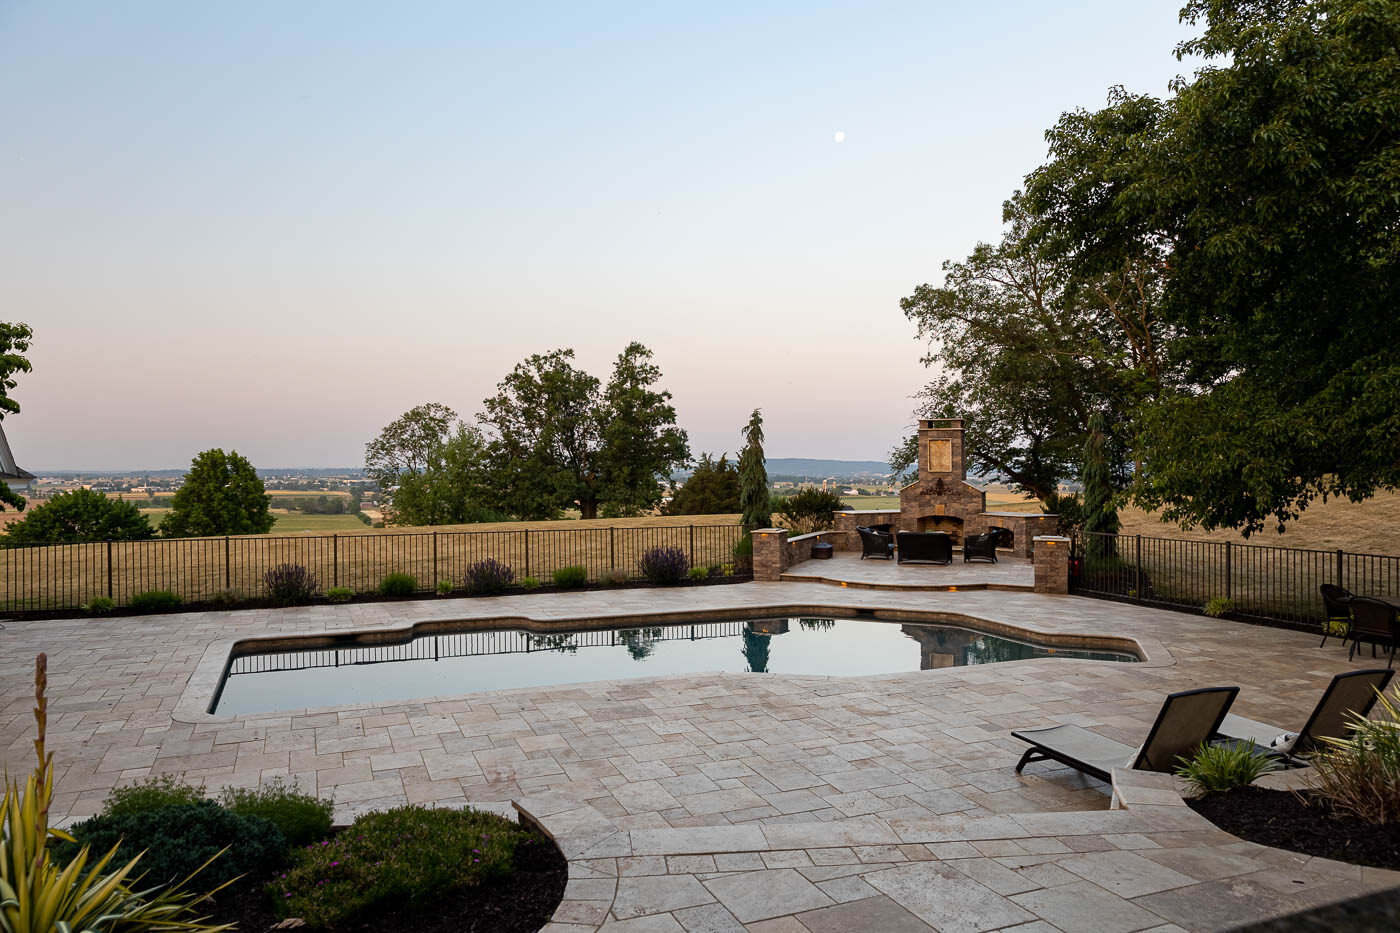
[1051,564]
[769,551]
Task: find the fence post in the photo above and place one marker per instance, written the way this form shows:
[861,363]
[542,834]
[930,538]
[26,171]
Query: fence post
[335,560]
[226,563]
[1341,567]
[109,568]
[1229,576]
[692,545]
[1138,588]
[435,565]
[526,533]
[612,548]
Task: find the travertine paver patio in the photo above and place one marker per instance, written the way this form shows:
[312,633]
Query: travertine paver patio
[847,567]
[727,802]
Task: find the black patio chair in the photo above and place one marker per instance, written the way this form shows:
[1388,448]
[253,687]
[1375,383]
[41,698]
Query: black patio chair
[980,547]
[875,544]
[1350,692]
[1337,602]
[933,546]
[1184,723]
[1374,621]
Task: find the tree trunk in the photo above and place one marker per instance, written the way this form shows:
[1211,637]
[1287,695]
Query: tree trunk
[588,508]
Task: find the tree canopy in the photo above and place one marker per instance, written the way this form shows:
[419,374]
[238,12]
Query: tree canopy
[753,475]
[79,515]
[712,489]
[558,439]
[222,495]
[432,468]
[14,343]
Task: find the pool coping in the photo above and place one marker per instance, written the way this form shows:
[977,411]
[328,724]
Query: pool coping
[203,685]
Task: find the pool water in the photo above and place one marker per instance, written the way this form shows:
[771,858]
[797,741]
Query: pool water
[441,665]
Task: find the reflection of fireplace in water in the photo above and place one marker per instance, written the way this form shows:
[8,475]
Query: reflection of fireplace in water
[950,525]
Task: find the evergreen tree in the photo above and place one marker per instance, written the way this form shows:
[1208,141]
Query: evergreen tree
[753,475]
[1100,514]
[713,489]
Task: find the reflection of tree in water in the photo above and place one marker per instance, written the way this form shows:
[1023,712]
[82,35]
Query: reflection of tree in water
[756,651]
[982,650]
[817,625]
[560,643]
[640,642]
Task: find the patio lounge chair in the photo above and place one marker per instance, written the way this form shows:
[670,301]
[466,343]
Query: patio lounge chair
[1337,601]
[1373,620]
[875,544]
[1351,692]
[935,546]
[1184,723]
[980,547]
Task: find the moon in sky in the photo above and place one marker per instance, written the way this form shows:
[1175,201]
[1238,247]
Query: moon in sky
[840,137]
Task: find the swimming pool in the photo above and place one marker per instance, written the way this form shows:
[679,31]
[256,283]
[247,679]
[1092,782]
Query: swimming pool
[466,662]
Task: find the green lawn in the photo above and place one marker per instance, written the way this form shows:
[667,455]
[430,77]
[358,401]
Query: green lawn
[865,503]
[289,522]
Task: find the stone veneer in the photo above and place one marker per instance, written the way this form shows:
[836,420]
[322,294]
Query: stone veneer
[774,551]
[1051,564]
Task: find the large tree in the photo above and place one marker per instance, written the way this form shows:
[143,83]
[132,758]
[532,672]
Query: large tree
[1270,182]
[432,469]
[221,495]
[79,515]
[558,440]
[712,489]
[753,475]
[1027,352]
[14,343]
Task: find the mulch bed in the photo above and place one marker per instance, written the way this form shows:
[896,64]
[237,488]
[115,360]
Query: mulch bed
[1279,818]
[521,902]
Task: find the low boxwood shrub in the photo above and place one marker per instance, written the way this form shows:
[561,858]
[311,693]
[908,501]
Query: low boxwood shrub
[155,601]
[445,588]
[570,577]
[664,565]
[289,584]
[394,860]
[153,793]
[339,594]
[178,840]
[488,577]
[699,573]
[398,584]
[1215,769]
[301,818]
[99,605]
[530,583]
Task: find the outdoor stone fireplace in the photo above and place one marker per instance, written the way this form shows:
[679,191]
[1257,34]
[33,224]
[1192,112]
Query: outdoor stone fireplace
[941,498]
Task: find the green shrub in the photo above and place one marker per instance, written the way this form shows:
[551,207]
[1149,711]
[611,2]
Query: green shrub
[488,577]
[178,840]
[225,598]
[570,577]
[339,594]
[1218,768]
[614,577]
[530,583]
[807,511]
[1219,605]
[394,860]
[445,588]
[726,570]
[154,793]
[398,584]
[363,517]
[1360,774]
[99,605]
[301,818]
[699,573]
[155,601]
[743,554]
[290,584]
[715,570]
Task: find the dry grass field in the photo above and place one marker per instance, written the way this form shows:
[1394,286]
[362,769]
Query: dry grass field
[197,569]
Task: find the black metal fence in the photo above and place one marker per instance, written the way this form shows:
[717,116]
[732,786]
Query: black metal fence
[66,576]
[1262,581]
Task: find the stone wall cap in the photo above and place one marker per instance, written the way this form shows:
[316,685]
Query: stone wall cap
[1055,538]
[769,531]
[1023,514]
